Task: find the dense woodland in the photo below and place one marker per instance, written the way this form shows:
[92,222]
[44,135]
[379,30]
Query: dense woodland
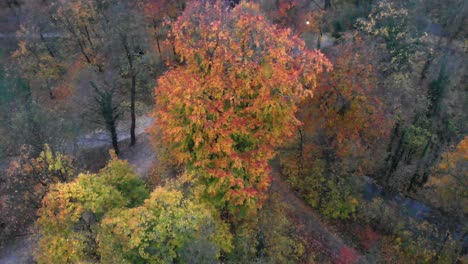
[273,128]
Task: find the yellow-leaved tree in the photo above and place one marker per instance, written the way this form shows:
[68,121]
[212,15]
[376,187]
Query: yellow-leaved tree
[109,217]
[449,181]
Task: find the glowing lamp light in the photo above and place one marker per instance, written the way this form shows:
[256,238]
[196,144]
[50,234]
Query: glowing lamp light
[307,22]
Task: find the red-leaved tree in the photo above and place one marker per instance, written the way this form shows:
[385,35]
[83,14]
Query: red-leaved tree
[231,98]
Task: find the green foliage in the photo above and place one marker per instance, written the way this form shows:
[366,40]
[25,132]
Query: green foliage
[404,248]
[122,177]
[167,228]
[390,21]
[277,243]
[105,217]
[70,213]
[378,213]
[436,90]
[338,202]
[333,195]
[408,240]
[418,135]
[311,184]
[270,238]
[407,250]
[6,94]
[13,95]
[26,122]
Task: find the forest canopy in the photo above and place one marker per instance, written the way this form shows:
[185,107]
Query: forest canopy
[233,131]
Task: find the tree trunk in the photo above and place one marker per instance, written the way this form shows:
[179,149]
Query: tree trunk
[132,111]
[301,153]
[159,46]
[49,50]
[115,142]
[35,128]
[319,38]
[415,176]
[51,92]
[110,114]
[435,258]
[396,158]
[130,59]
[327,4]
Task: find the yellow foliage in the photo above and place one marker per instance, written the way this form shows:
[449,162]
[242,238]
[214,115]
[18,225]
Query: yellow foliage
[450,180]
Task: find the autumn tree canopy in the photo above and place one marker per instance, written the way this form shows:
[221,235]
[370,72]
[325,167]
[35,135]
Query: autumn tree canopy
[71,212]
[231,97]
[449,182]
[110,217]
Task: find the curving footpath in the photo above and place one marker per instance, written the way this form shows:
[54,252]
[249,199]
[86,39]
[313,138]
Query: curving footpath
[142,156]
[308,222]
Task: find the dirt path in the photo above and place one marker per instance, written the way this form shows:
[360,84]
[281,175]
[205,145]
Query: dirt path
[309,223]
[18,251]
[142,156]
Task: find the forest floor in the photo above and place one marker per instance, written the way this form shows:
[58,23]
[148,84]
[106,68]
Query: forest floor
[305,219]
[18,251]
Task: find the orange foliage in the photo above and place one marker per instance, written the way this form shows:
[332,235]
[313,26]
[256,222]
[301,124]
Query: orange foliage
[345,108]
[232,97]
[449,180]
[66,88]
[156,10]
[155,13]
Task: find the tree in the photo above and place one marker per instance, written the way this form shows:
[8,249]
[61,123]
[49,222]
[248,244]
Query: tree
[84,23]
[27,180]
[276,242]
[16,105]
[449,180]
[71,212]
[343,133]
[131,58]
[390,21]
[38,62]
[155,13]
[128,42]
[346,114]
[109,217]
[112,46]
[31,176]
[165,229]
[231,97]
[109,110]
